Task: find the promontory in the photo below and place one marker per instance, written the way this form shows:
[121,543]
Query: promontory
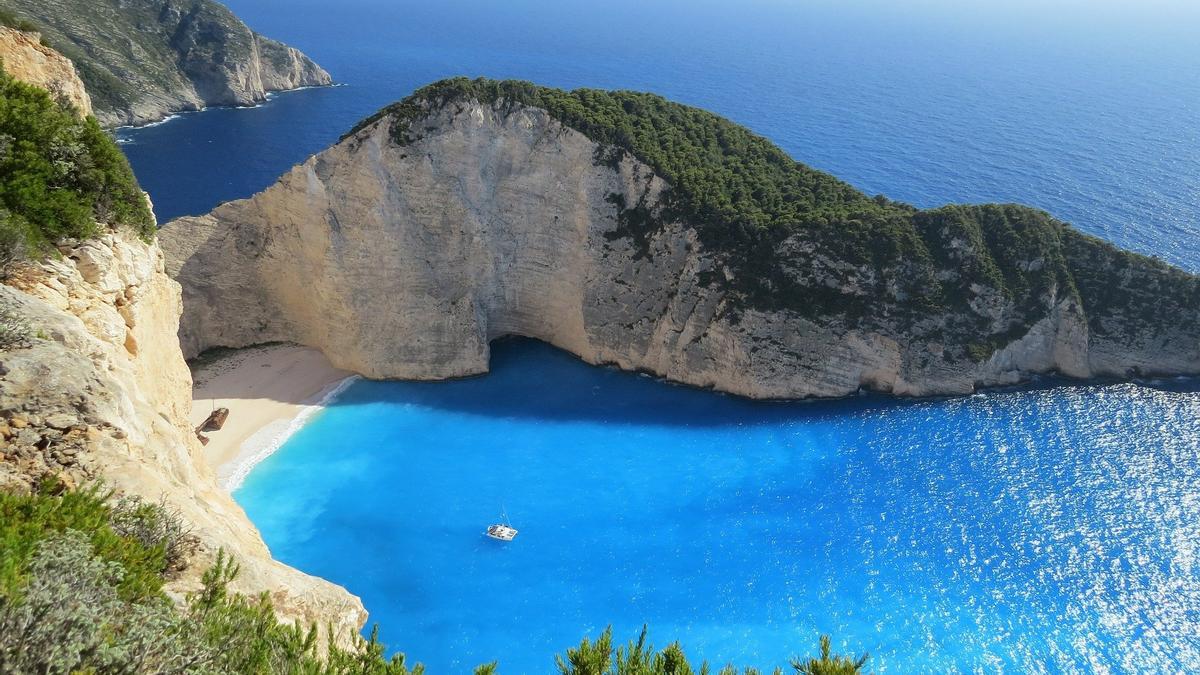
[142,60]
[634,231]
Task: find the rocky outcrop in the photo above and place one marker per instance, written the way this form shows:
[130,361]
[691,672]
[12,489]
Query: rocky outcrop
[282,68]
[28,60]
[144,59]
[433,229]
[100,390]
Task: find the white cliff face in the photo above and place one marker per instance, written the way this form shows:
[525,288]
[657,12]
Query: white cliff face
[102,392]
[281,68]
[404,261]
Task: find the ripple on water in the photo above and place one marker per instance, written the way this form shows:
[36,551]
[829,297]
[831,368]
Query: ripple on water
[1049,530]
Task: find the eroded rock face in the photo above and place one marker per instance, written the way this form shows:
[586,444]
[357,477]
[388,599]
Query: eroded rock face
[26,59]
[404,259]
[145,59]
[101,391]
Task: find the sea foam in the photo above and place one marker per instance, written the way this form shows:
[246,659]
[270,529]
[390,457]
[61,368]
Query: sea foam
[264,442]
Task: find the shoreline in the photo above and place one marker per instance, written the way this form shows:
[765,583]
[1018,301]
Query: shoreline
[175,114]
[271,391]
[262,444]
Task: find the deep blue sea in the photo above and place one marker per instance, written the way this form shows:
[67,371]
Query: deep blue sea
[1054,529]
[1089,109]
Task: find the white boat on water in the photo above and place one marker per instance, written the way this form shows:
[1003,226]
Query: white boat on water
[501,532]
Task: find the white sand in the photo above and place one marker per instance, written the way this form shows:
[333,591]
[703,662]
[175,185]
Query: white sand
[270,391]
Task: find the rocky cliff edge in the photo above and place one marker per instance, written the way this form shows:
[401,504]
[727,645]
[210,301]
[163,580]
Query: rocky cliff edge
[100,391]
[28,60]
[403,250]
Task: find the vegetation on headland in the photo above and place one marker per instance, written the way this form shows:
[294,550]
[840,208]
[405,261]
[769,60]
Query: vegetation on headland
[60,176]
[795,238]
[81,590]
[11,20]
[141,58]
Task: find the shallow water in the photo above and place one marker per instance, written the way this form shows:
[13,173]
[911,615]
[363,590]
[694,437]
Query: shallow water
[1049,530]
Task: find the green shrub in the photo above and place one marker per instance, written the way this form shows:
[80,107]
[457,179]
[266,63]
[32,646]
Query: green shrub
[250,639]
[27,520]
[639,657]
[11,20]
[154,526]
[70,617]
[829,664]
[60,176]
[14,241]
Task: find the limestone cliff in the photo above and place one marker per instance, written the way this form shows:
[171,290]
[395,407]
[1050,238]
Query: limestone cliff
[28,60]
[450,220]
[102,392]
[144,59]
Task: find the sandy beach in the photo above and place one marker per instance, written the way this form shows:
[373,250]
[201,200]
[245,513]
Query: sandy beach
[270,390]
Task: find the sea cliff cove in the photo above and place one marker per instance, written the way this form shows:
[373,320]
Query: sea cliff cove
[636,338]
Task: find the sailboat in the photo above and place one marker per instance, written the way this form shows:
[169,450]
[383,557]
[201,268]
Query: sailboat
[502,531]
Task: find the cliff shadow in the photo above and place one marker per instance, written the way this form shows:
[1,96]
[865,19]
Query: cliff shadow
[531,379]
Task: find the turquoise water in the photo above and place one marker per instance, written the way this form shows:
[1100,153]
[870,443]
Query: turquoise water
[1047,530]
